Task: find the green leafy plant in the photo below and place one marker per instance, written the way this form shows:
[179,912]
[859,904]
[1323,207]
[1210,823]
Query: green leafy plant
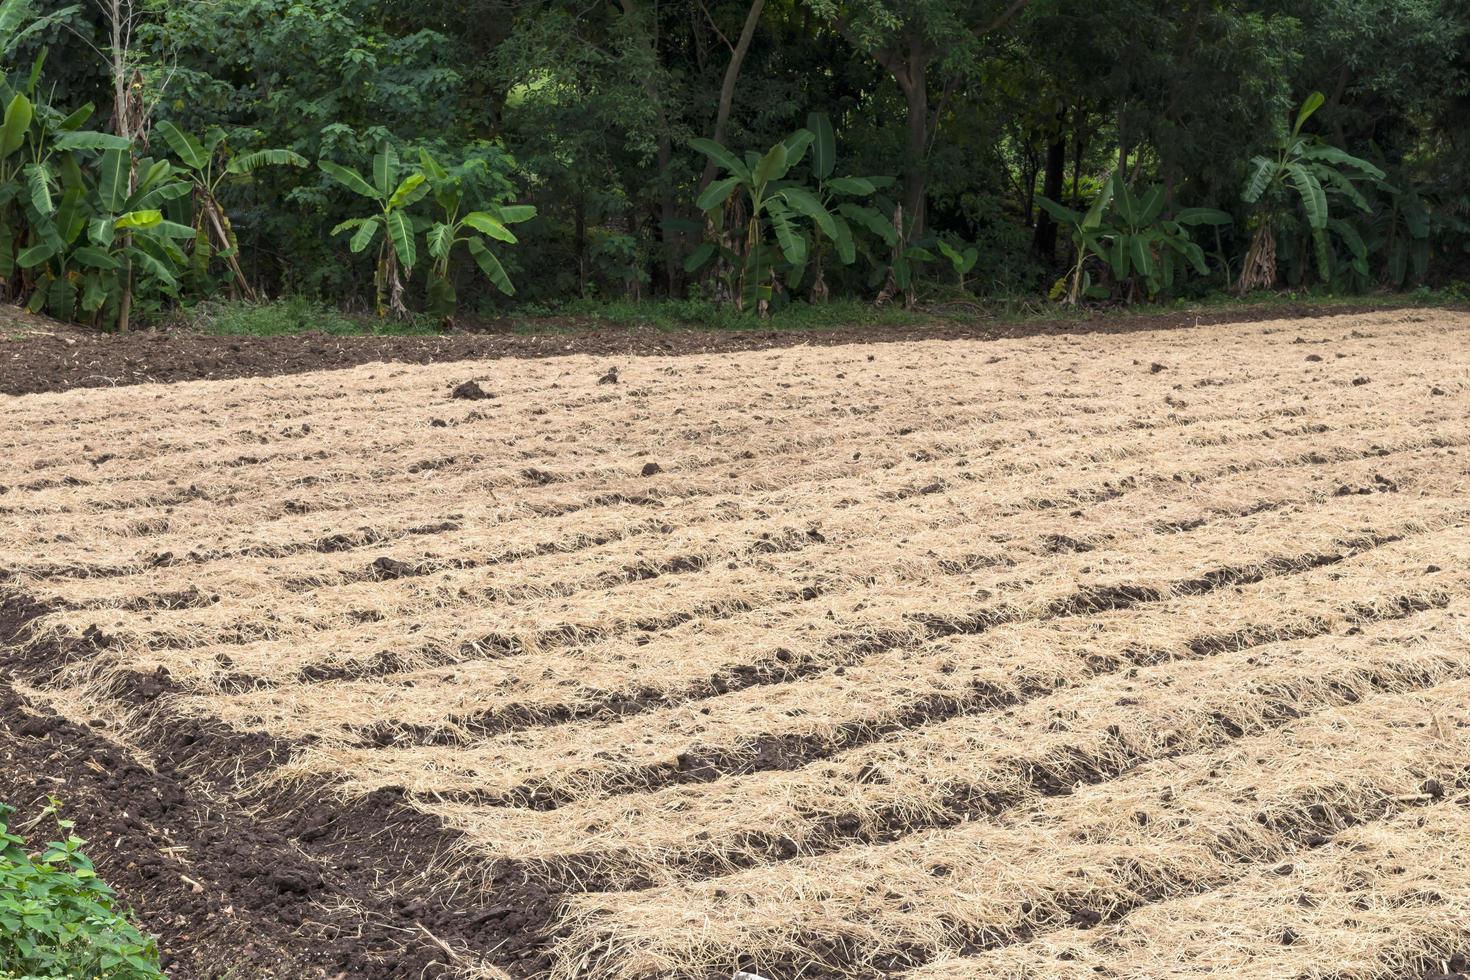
[960,259]
[126,234]
[81,218]
[90,276]
[1086,229]
[476,229]
[1313,172]
[57,918]
[392,225]
[617,256]
[1141,248]
[1411,215]
[209,164]
[901,274]
[842,198]
[765,199]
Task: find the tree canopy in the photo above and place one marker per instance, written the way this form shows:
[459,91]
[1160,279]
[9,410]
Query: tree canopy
[982,125]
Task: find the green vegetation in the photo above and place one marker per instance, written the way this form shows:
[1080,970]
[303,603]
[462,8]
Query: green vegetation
[57,918]
[1017,152]
[296,314]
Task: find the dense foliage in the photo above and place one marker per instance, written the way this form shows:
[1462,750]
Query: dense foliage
[57,918]
[750,152]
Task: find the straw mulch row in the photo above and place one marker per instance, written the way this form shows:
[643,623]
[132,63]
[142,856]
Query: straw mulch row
[1104,655]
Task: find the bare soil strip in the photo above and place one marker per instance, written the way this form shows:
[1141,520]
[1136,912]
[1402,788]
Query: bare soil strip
[57,358]
[1022,657]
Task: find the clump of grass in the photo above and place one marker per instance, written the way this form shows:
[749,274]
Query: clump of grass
[57,918]
[296,315]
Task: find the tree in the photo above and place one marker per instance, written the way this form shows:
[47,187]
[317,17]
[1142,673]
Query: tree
[738,50]
[912,42]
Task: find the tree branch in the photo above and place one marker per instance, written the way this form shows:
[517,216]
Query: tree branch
[727,86]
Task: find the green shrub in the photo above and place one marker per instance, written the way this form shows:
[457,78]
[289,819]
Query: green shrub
[57,918]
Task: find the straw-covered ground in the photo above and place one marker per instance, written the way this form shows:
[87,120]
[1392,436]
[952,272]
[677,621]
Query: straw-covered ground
[1115,656]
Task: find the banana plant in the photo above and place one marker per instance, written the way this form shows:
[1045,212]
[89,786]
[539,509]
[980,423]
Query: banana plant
[1086,229]
[841,196]
[1314,172]
[36,144]
[16,185]
[126,233]
[398,247]
[1409,216]
[209,164]
[1141,249]
[1144,249]
[475,228]
[19,20]
[901,274]
[766,198]
[961,260]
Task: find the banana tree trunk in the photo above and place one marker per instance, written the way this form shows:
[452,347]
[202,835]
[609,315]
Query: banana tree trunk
[396,305]
[224,236]
[1259,268]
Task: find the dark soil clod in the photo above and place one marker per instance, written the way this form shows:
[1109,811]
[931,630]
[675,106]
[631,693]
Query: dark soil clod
[385,568]
[470,391]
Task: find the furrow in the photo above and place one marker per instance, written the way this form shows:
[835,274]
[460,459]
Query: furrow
[649,612]
[1176,828]
[500,770]
[1379,902]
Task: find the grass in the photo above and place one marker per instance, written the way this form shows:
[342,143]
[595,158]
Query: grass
[681,314]
[297,314]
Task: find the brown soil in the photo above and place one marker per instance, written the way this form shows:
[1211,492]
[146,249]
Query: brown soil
[39,355]
[305,890]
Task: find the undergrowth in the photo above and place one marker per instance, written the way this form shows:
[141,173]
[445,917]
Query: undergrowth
[295,315]
[57,918]
[298,314]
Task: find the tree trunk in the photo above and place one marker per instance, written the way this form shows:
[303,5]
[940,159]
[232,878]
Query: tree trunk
[914,83]
[667,207]
[228,244]
[1076,157]
[1259,269]
[907,61]
[579,244]
[1123,147]
[1045,240]
[727,86]
[668,210]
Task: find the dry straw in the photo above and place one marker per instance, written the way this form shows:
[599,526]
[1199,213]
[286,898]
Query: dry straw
[903,657]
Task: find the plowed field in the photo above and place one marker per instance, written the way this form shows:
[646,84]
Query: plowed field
[1117,656]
